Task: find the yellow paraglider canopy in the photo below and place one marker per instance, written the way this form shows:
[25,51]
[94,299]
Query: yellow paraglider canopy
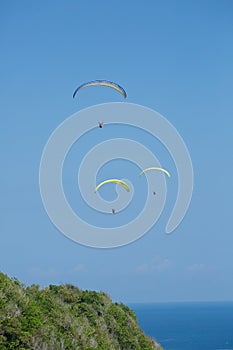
[154,168]
[117,181]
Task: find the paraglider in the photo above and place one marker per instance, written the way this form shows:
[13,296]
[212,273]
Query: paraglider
[154,168]
[100,124]
[116,181]
[102,83]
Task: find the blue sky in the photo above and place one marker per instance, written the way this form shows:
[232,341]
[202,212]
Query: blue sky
[172,56]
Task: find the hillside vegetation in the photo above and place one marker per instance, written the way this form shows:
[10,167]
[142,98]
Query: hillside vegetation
[64,317]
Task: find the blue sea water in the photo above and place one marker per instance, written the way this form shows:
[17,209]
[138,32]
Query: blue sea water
[188,326]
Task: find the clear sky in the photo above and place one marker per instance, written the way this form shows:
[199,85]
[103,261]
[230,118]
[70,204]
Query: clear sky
[172,56]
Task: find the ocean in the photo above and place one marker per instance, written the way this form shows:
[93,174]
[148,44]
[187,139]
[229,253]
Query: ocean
[188,326]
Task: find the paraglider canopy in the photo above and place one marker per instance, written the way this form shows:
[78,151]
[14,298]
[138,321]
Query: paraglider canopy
[154,168]
[102,83]
[116,181]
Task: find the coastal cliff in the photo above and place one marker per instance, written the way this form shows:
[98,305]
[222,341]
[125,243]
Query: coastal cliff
[65,317]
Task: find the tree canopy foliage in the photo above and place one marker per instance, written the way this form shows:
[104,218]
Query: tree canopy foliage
[65,317]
